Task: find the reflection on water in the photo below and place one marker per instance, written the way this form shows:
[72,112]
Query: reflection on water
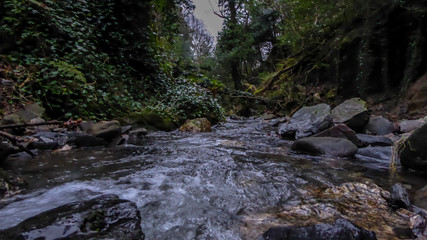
[190,186]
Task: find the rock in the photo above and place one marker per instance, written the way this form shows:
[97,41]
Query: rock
[30,112]
[235,117]
[196,125]
[12,119]
[379,156]
[107,130]
[410,125]
[84,140]
[43,145]
[416,96]
[418,224]
[353,113]
[325,145]
[400,197]
[380,126]
[364,204]
[126,129]
[370,140]
[413,152]
[6,149]
[307,121]
[340,230]
[341,131]
[10,183]
[37,120]
[136,136]
[420,198]
[50,137]
[105,217]
[85,125]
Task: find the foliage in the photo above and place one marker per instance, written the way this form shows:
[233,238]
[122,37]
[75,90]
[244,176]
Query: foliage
[186,100]
[98,58]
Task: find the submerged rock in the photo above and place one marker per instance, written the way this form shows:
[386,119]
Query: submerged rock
[364,204]
[105,217]
[376,154]
[196,125]
[380,126]
[413,151]
[370,140]
[307,121]
[353,113]
[340,230]
[325,145]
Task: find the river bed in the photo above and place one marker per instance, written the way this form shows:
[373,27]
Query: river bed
[215,185]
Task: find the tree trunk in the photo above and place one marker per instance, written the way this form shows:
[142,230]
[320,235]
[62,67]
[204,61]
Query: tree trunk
[235,75]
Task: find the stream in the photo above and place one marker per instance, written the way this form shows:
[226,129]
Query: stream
[221,185]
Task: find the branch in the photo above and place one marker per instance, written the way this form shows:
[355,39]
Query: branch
[31,124]
[14,141]
[220,15]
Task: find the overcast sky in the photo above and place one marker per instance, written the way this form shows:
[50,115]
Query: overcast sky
[205,13]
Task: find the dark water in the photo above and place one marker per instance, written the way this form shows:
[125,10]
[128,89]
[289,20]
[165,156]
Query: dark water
[191,186]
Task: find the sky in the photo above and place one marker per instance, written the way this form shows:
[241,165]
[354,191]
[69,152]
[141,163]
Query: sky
[204,12]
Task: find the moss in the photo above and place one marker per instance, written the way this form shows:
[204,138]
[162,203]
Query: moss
[152,120]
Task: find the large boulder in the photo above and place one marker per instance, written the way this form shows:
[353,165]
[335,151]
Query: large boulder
[380,126]
[105,217]
[353,113]
[196,125]
[341,131]
[413,150]
[107,130]
[325,145]
[307,121]
[340,230]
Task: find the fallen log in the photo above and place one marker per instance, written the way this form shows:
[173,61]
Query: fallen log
[15,142]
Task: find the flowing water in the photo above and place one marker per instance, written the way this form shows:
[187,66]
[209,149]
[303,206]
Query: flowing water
[191,186]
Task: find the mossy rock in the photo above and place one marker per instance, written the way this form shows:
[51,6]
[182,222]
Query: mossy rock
[196,125]
[153,121]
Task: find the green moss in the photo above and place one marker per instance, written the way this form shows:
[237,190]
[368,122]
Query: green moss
[152,120]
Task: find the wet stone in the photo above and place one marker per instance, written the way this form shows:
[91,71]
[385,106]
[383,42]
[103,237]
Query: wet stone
[370,140]
[364,204]
[104,217]
[400,197]
[380,126]
[307,121]
[340,230]
[325,145]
